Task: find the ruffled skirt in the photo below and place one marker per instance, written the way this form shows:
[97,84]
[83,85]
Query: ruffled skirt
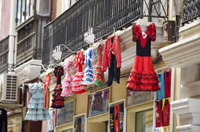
[36,111]
[67,88]
[78,86]
[142,76]
[57,101]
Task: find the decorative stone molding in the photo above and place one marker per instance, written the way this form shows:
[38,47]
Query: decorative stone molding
[187,50]
[188,111]
[190,90]
[182,53]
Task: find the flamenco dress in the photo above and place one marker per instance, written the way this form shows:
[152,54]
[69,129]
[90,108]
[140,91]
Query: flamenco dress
[58,100]
[46,90]
[36,110]
[159,114]
[99,79]
[88,72]
[142,76]
[167,84]
[67,82]
[78,86]
[166,112]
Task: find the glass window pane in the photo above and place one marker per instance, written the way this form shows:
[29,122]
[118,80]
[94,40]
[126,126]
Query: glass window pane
[18,12]
[144,121]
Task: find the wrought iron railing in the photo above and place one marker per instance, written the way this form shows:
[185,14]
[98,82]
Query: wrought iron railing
[4,54]
[191,10]
[26,49]
[102,15]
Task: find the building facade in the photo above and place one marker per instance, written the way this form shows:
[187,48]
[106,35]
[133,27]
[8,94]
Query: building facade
[32,30]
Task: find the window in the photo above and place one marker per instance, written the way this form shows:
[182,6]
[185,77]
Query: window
[144,121]
[67,4]
[24,10]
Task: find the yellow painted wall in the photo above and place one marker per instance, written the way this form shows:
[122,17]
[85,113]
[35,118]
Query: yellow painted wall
[81,103]
[119,90]
[96,127]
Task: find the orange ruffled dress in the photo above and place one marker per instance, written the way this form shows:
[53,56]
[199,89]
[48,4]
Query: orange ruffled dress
[142,76]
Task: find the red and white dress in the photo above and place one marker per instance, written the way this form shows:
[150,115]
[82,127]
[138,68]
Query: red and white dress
[142,76]
[78,86]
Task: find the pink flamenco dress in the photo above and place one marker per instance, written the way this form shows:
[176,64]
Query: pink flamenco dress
[67,82]
[142,76]
[78,85]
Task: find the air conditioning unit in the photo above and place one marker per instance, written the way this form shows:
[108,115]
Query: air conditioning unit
[169,31]
[8,87]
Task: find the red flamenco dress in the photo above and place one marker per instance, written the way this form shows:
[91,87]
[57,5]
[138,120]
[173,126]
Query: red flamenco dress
[142,76]
[98,73]
[58,100]
[78,86]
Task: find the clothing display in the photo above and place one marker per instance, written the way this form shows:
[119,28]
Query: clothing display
[67,82]
[58,100]
[142,76]
[159,114]
[88,72]
[161,93]
[112,127]
[166,112]
[36,111]
[167,84]
[98,73]
[112,59]
[116,118]
[78,86]
[3,120]
[51,121]
[46,90]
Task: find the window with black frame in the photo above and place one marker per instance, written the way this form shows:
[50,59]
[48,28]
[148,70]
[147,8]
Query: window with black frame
[24,10]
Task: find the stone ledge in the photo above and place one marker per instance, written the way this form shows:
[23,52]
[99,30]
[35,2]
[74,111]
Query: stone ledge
[182,53]
[190,90]
[188,128]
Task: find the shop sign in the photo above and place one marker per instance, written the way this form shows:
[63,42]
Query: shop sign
[135,98]
[117,117]
[79,123]
[98,103]
[65,115]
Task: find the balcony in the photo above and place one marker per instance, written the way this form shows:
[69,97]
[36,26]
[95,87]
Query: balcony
[102,15]
[26,50]
[191,10]
[4,54]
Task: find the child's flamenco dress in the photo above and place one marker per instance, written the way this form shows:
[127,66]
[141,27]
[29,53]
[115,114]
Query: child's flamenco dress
[99,79]
[78,86]
[58,100]
[88,72]
[36,110]
[67,82]
[142,76]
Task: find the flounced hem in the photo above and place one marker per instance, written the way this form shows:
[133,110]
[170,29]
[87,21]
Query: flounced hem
[78,91]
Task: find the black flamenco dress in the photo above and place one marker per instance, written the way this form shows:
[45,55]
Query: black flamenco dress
[142,76]
[58,100]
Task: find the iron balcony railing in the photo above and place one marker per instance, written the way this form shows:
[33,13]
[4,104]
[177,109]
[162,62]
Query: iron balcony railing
[191,10]
[4,49]
[102,15]
[26,49]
